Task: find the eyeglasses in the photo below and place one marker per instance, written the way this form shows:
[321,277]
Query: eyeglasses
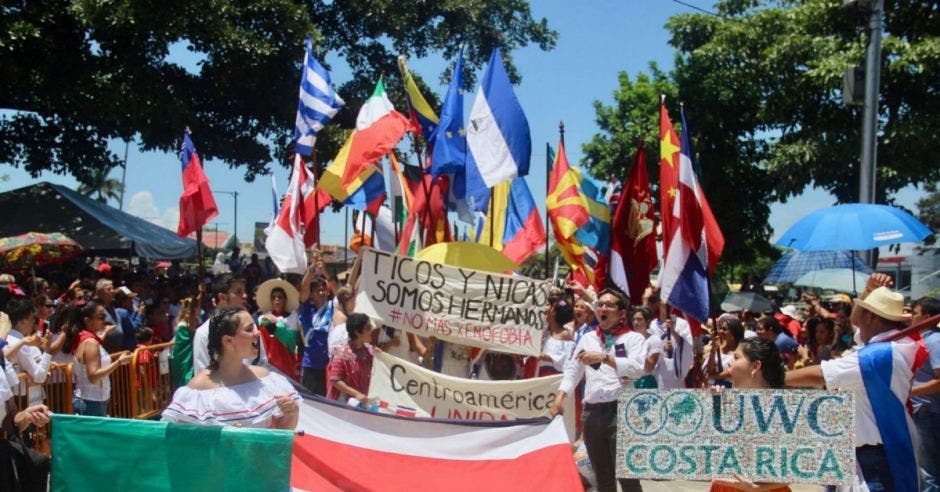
[607,304]
[50,305]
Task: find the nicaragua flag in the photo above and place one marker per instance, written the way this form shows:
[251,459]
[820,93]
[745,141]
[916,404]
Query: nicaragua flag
[343,448]
[317,105]
[498,135]
[685,271]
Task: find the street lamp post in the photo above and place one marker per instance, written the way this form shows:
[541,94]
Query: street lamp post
[235,231]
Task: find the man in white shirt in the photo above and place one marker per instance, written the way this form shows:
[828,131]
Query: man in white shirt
[678,351]
[227,291]
[678,345]
[604,356]
[883,436]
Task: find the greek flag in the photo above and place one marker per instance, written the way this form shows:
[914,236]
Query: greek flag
[318,102]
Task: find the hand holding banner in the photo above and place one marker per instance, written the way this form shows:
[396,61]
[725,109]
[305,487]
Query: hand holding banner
[470,307]
[400,387]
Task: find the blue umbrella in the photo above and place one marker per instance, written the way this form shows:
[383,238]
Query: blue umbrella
[793,264]
[856,226]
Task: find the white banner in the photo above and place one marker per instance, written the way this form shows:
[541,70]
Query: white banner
[401,387]
[468,307]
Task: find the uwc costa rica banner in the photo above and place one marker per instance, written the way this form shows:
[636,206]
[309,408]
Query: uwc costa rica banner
[469,307]
[771,436]
[403,388]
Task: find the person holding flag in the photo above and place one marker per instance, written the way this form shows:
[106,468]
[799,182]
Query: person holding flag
[880,375]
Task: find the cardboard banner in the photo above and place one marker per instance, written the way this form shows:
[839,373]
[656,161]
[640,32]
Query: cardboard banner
[468,307]
[401,387]
[771,436]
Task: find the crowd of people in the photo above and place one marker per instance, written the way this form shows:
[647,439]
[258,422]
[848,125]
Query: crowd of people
[241,336]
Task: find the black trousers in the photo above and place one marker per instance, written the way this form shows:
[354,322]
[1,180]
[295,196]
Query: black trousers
[314,380]
[600,438]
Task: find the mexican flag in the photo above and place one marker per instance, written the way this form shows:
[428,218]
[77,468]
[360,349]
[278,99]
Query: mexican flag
[97,454]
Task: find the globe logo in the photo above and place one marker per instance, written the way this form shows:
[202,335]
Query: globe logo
[643,413]
[682,413]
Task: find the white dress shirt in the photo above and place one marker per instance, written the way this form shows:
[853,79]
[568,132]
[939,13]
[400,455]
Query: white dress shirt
[33,362]
[603,384]
[670,372]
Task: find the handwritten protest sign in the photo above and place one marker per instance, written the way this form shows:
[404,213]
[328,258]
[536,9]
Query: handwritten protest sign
[775,436]
[400,387]
[469,307]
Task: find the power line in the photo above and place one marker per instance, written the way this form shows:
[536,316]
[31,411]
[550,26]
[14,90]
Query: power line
[680,2]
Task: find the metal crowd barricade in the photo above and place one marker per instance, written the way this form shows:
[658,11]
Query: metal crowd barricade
[57,395]
[142,389]
[121,388]
[139,390]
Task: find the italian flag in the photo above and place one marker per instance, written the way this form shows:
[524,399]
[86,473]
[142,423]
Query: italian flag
[97,454]
[378,129]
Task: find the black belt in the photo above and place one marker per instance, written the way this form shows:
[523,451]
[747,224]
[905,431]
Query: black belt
[605,404]
[870,447]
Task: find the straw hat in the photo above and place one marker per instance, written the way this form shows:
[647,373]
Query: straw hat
[885,304]
[843,298]
[264,294]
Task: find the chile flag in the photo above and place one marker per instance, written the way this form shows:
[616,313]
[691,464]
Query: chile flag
[197,206]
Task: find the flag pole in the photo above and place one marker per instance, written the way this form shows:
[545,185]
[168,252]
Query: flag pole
[548,173]
[200,261]
[698,376]
[491,216]
[394,203]
[375,219]
[346,241]
[362,228]
[316,196]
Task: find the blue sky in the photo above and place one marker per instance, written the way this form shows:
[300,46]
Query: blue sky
[596,41]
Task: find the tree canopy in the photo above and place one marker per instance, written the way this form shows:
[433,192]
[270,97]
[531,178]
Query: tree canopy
[761,81]
[80,73]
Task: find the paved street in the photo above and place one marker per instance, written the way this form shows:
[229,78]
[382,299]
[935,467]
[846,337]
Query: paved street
[686,486]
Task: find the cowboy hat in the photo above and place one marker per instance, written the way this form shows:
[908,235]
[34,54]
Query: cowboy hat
[790,310]
[263,295]
[885,304]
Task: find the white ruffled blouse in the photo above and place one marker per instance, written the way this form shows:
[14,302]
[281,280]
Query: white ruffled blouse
[251,404]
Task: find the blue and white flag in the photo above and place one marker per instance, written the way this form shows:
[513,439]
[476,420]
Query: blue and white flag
[318,102]
[498,133]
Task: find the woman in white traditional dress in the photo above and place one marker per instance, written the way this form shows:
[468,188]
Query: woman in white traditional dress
[229,392]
